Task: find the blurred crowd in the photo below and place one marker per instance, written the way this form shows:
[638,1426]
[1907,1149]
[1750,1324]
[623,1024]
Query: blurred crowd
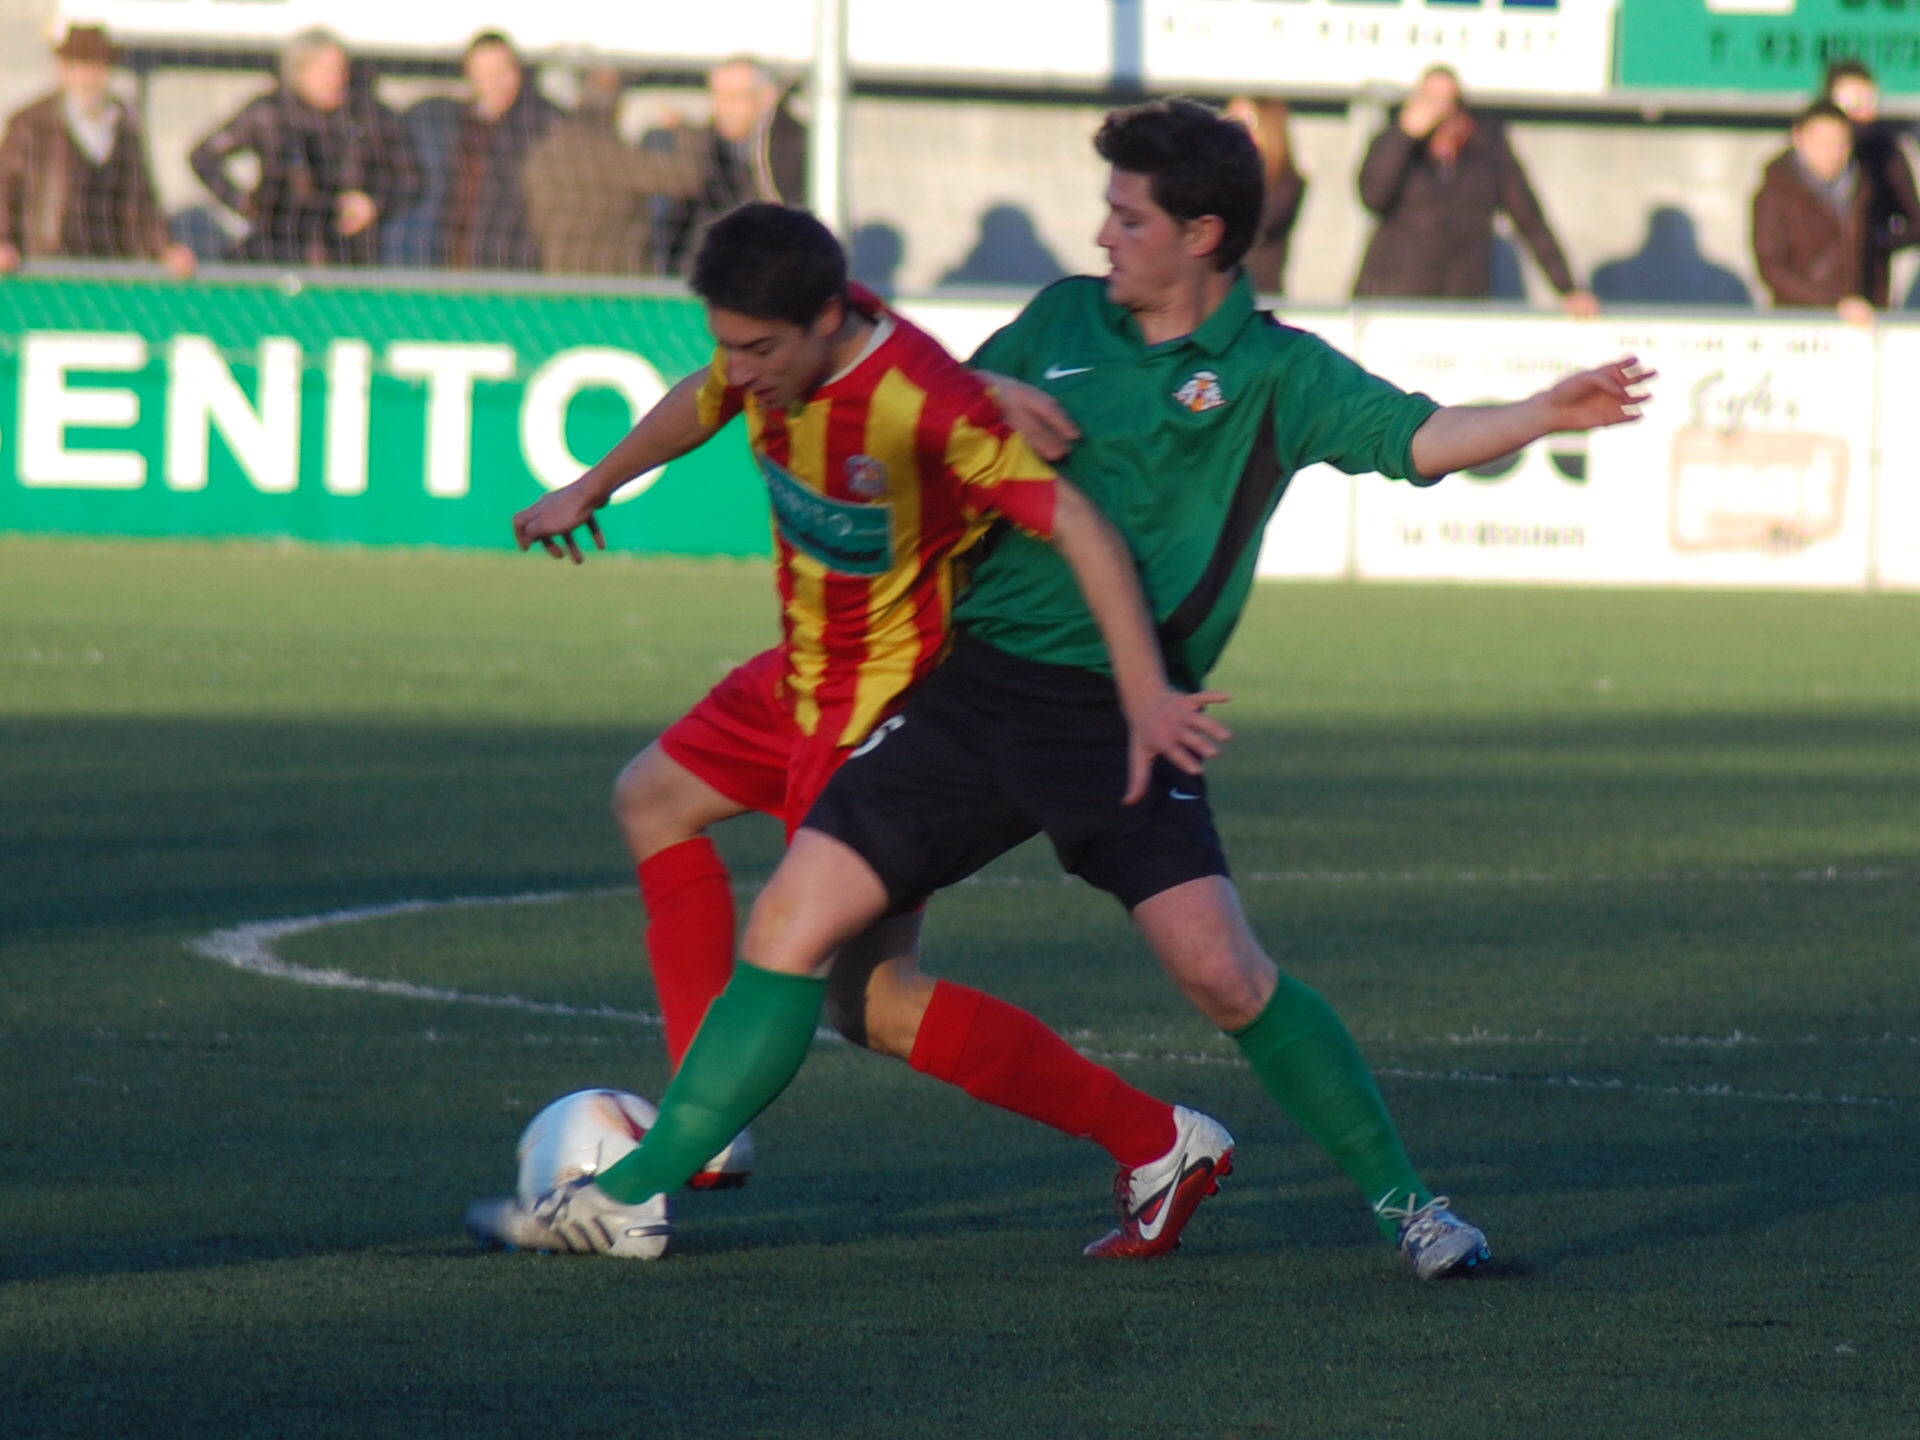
[320,172]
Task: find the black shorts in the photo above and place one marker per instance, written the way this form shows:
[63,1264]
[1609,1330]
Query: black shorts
[995,749]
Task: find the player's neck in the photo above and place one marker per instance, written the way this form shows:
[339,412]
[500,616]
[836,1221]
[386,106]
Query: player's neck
[849,341]
[1184,306]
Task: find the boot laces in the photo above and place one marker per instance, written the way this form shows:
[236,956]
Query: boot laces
[1420,1224]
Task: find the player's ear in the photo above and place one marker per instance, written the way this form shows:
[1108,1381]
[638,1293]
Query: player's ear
[832,316]
[1204,235]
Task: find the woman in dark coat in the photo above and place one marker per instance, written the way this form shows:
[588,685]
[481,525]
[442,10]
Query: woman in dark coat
[1436,178]
[1893,204]
[1266,262]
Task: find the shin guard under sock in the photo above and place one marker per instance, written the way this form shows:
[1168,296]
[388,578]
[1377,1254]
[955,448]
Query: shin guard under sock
[1305,1056]
[689,901]
[752,1044]
[1006,1057]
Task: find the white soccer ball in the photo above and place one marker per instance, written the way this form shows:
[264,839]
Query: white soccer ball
[580,1134]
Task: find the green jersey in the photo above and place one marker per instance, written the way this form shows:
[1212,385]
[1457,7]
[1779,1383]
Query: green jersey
[1186,446]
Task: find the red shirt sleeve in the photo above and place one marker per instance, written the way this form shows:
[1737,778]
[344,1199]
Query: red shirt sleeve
[999,472]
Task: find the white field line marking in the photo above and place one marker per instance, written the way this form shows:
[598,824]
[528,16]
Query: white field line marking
[1563,1082]
[1817,875]
[250,948]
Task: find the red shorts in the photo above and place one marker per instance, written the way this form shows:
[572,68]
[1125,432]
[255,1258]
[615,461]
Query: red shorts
[742,740]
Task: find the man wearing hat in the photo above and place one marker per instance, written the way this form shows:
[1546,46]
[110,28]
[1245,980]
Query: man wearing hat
[74,181]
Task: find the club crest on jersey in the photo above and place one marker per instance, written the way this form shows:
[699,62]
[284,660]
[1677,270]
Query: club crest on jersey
[1201,393]
[867,477]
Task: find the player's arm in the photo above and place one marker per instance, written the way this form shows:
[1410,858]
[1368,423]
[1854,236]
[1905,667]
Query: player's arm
[1459,437]
[678,424]
[1035,414]
[1160,719]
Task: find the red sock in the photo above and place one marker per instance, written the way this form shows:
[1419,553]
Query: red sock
[689,903]
[1006,1057]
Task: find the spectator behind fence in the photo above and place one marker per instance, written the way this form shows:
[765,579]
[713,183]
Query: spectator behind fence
[754,149]
[330,165]
[591,196]
[1266,262]
[1893,205]
[1436,178]
[74,181]
[484,223]
[1810,218]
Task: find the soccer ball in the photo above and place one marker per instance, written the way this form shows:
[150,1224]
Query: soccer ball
[580,1134]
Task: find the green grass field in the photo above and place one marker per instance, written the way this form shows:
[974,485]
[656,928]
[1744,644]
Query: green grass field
[1618,889]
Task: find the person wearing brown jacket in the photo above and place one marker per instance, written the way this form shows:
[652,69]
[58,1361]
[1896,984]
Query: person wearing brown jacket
[1810,219]
[590,195]
[74,182]
[1436,178]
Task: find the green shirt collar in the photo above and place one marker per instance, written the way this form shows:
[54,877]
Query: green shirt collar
[1216,333]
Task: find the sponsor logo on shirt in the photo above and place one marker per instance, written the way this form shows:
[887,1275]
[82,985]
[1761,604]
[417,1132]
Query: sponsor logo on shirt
[847,538]
[1201,393]
[867,477]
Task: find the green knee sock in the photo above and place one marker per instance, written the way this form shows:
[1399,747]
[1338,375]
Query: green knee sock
[753,1041]
[1304,1055]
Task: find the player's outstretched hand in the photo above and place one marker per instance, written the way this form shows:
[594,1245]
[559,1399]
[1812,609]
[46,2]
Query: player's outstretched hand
[1176,725]
[1035,414]
[551,521]
[1594,399]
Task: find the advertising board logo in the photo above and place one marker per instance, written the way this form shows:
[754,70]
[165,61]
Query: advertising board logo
[1736,488]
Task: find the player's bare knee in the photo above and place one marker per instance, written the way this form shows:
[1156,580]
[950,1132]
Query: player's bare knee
[897,996]
[847,1004]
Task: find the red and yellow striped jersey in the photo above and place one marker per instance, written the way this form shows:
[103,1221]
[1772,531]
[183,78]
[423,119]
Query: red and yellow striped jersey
[879,482]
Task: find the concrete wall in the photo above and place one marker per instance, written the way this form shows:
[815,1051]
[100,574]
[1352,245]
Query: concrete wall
[26,64]
[930,170]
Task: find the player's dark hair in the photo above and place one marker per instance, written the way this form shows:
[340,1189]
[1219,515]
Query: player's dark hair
[770,262]
[1848,69]
[1197,162]
[1821,110]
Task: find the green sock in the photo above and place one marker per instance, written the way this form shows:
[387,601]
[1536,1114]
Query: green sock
[1304,1055]
[753,1042]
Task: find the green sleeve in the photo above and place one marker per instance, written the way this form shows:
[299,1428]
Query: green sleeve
[1341,415]
[1004,350]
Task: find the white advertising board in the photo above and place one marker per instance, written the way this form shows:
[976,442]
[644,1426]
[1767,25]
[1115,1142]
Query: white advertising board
[1753,466]
[1561,47]
[1898,532]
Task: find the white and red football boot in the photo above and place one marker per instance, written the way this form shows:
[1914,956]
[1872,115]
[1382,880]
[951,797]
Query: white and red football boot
[730,1168]
[1155,1201]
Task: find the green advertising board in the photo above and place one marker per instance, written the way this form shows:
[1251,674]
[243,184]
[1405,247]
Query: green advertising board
[332,413]
[1765,45]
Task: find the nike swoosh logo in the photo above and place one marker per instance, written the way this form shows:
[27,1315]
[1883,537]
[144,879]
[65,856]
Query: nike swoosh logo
[1179,794]
[1057,371]
[1163,1201]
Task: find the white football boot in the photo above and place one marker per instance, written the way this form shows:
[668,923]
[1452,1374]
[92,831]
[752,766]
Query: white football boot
[1436,1242]
[730,1168]
[1155,1201]
[579,1217]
